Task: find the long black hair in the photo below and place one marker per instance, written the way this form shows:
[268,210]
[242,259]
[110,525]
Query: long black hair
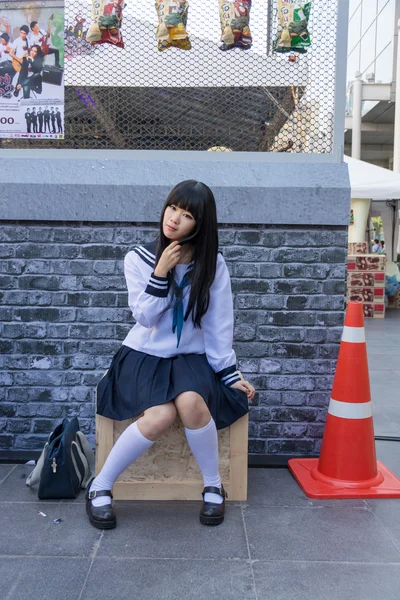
[198,199]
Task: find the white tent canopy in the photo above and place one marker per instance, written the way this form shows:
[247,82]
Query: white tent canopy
[370,181]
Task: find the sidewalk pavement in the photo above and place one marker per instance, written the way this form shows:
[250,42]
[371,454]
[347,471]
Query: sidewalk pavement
[280,545]
[383,343]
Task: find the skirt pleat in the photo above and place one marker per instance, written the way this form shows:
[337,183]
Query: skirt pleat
[137,381]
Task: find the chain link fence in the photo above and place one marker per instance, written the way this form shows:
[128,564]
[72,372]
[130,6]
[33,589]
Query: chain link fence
[253,100]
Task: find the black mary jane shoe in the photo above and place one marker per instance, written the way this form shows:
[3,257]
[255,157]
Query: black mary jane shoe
[102,517]
[211,513]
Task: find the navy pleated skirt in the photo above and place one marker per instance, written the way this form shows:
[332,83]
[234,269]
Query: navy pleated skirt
[137,381]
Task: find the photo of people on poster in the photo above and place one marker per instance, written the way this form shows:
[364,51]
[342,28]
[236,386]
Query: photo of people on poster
[32,69]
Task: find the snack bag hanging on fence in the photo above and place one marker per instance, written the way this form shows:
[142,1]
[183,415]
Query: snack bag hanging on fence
[235,18]
[293,35]
[172,19]
[107,19]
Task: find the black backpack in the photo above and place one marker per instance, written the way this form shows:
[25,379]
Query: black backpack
[66,464]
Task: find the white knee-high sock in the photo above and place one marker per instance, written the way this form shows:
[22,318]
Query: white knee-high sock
[204,445]
[129,447]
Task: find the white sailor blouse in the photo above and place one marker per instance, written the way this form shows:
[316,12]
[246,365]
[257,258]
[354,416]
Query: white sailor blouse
[160,329]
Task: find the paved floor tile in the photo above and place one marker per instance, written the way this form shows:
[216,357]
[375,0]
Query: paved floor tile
[5,470]
[33,578]
[126,579]
[277,487]
[291,533]
[14,487]
[23,531]
[389,453]
[382,337]
[327,581]
[173,530]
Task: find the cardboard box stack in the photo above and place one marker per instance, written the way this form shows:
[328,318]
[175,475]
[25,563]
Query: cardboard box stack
[366,280]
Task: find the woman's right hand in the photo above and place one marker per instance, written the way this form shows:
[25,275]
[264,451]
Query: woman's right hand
[169,258]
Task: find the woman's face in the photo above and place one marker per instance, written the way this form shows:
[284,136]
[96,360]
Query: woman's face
[33,52]
[177,223]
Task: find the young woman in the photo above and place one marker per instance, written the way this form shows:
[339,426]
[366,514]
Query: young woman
[178,358]
[30,76]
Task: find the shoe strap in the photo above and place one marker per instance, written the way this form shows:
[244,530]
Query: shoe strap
[210,489]
[97,494]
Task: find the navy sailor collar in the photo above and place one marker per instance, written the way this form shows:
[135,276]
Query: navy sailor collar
[147,252]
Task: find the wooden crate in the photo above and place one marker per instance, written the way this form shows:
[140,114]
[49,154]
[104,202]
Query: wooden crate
[168,471]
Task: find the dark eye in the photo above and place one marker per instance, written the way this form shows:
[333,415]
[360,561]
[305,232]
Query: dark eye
[189,217]
[172,207]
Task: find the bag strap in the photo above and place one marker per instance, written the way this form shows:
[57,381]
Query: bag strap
[34,476]
[89,454]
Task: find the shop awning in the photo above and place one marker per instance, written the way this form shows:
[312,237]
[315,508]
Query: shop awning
[370,181]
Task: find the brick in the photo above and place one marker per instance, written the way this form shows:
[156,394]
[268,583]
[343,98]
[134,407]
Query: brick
[7,251]
[268,301]
[30,442]
[70,252]
[103,252]
[42,267]
[40,234]
[246,270]
[245,332]
[37,251]
[38,347]
[270,366]
[288,318]
[332,319]
[294,398]
[294,366]
[285,382]
[249,238]
[287,255]
[268,398]
[287,415]
[290,430]
[296,302]
[273,239]
[12,267]
[295,286]
[256,286]
[294,350]
[315,335]
[291,447]
[43,426]
[247,254]
[104,267]
[334,255]
[19,425]
[44,314]
[314,237]
[103,283]
[270,430]
[6,440]
[255,446]
[7,410]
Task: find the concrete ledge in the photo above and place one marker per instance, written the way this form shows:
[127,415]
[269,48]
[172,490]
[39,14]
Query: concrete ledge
[131,187]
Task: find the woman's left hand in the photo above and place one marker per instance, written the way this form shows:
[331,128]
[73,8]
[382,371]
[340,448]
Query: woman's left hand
[246,387]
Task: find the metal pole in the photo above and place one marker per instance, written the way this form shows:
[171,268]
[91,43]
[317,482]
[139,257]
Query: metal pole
[396,147]
[356,114]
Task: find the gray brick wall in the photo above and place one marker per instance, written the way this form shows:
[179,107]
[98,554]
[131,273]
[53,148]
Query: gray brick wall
[63,313]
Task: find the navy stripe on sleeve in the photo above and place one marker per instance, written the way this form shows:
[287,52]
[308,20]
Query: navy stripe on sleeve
[157,286]
[229,376]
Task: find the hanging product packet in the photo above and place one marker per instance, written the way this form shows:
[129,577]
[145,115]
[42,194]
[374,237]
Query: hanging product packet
[172,18]
[235,28]
[106,25]
[293,35]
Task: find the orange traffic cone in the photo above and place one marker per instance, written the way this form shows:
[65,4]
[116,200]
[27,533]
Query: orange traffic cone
[347,466]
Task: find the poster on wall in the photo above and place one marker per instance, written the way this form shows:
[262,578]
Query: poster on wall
[32,69]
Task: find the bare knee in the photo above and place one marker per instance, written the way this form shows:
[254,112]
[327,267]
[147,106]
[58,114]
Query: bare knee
[156,420]
[192,410]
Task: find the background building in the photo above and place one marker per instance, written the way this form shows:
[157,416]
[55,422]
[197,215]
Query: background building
[372,54]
